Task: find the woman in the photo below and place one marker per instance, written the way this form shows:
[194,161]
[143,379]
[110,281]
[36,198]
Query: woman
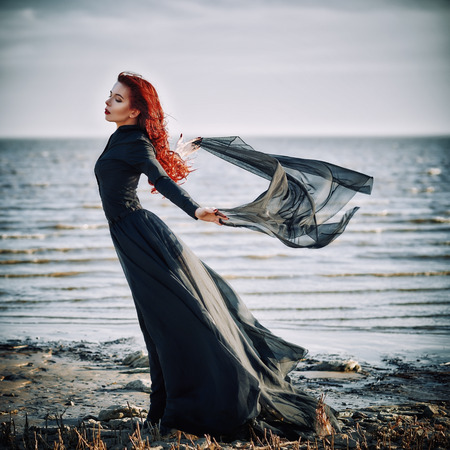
[214,368]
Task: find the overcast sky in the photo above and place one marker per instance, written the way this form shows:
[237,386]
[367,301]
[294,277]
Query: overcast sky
[298,67]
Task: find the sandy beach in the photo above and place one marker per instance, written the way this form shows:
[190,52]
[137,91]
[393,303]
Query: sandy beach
[91,396]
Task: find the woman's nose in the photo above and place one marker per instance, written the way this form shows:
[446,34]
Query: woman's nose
[108,101]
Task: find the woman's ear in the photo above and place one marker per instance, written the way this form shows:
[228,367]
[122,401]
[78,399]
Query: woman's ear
[134,113]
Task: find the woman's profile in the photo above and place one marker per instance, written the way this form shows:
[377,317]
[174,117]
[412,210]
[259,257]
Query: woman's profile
[214,368]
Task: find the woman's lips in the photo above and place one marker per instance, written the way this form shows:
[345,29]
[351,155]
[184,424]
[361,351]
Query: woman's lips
[107,112]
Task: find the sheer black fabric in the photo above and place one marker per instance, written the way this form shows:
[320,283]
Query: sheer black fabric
[302,197]
[214,368]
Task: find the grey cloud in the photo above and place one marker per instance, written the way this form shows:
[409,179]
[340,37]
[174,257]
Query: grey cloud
[203,53]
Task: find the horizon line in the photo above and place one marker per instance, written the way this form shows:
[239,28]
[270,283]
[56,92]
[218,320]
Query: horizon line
[252,135]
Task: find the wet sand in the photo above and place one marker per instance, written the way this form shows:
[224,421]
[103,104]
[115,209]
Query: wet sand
[52,389]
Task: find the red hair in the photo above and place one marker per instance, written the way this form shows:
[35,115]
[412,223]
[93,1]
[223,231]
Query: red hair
[143,97]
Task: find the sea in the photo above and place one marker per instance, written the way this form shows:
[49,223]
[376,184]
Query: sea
[379,292]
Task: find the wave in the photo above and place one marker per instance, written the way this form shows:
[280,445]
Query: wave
[50,261]
[378,318]
[277,255]
[396,329]
[406,256]
[23,236]
[344,291]
[418,303]
[428,190]
[434,171]
[88,206]
[400,230]
[382,213]
[390,275]
[30,251]
[437,219]
[85,226]
[11,303]
[261,277]
[35,275]
[323,308]
[45,320]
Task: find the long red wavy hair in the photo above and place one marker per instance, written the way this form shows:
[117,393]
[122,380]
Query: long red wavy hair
[143,97]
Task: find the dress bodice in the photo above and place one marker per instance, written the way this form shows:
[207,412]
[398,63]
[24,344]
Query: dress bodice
[128,154]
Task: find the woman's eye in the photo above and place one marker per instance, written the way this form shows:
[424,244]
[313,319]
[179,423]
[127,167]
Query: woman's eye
[118,100]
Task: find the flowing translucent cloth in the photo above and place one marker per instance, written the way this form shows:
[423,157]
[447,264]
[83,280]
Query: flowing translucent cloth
[302,198]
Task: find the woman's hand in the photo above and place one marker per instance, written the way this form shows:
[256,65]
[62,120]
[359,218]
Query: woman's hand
[210,215]
[185,149]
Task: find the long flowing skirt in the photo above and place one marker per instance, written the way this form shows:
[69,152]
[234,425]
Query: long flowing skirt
[214,367]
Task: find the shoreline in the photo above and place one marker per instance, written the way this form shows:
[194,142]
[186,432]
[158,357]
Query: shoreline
[54,386]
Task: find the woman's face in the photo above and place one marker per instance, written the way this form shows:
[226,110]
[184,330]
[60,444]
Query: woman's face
[118,106]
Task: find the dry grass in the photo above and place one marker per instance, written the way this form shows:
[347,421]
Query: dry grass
[404,433]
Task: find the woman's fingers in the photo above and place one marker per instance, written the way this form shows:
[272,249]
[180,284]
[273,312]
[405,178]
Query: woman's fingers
[220,214]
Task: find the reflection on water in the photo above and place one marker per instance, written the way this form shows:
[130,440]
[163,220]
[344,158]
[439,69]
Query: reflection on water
[382,287]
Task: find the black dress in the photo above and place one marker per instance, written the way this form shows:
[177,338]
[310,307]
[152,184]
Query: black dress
[214,368]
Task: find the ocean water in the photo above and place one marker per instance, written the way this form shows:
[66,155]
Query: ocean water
[381,290]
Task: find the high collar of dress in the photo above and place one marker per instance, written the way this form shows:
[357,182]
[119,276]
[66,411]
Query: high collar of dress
[128,128]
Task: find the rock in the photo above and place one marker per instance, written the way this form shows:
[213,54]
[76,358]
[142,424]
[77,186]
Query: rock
[430,411]
[93,423]
[371,427]
[121,423]
[442,421]
[141,362]
[132,357]
[139,385]
[136,359]
[119,412]
[345,413]
[345,441]
[129,423]
[387,416]
[137,370]
[358,415]
[89,417]
[338,366]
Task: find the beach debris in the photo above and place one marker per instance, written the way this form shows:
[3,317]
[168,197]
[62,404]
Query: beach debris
[348,365]
[139,385]
[136,360]
[119,412]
